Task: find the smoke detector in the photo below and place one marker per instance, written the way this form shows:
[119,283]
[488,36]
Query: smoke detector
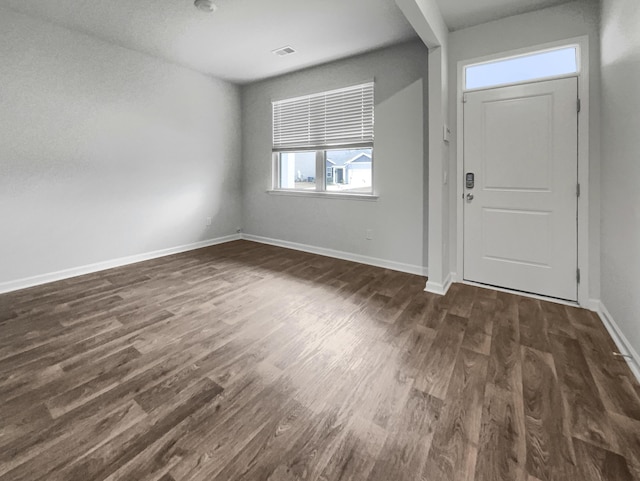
[206,6]
[282,52]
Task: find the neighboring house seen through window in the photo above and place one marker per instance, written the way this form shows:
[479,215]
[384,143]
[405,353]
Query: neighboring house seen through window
[324,142]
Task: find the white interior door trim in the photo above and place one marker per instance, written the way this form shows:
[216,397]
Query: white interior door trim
[583,155]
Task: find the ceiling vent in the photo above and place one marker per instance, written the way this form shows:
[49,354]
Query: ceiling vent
[284,51]
[206,6]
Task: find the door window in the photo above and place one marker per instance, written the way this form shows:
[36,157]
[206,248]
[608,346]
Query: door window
[535,66]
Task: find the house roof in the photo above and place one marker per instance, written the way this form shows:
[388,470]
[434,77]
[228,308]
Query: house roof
[361,157]
[345,157]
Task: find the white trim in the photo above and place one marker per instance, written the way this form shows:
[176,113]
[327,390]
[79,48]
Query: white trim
[326,195]
[437,288]
[624,346]
[347,256]
[25,283]
[110,264]
[593,305]
[583,155]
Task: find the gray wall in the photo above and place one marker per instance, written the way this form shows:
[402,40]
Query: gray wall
[397,218]
[621,165]
[565,21]
[106,152]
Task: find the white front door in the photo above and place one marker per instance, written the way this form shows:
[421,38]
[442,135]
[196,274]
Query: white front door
[520,217]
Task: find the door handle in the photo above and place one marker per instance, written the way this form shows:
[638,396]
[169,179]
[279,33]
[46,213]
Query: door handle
[469,197]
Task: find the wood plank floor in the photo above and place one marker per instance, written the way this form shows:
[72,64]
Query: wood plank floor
[251,362]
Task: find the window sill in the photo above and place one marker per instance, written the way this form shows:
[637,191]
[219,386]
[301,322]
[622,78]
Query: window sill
[325,195]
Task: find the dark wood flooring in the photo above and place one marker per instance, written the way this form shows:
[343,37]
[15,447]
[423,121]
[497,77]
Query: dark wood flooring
[250,362]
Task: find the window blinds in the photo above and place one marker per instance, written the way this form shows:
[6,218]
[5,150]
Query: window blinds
[336,118]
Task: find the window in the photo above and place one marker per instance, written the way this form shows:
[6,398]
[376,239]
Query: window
[349,170]
[324,142]
[539,65]
[297,170]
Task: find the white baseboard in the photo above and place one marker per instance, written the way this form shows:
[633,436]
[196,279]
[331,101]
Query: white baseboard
[624,346]
[347,256]
[437,288]
[25,283]
[593,305]
[110,264]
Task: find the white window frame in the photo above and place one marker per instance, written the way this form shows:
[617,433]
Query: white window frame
[321,170]
[321,179]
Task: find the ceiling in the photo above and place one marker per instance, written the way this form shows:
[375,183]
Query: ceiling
[235,43]
[460,14]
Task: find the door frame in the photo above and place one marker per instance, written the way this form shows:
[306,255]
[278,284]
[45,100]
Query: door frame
[582,43]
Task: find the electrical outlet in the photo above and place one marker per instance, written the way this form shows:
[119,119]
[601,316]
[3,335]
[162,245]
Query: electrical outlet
[209,221]
[369,234]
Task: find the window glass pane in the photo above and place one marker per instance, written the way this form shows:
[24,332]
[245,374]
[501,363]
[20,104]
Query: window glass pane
[519,69]
[350,170]
[298,170]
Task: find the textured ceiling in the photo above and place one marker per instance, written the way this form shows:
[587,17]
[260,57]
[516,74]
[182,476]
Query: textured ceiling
[234,43]
[460,14]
